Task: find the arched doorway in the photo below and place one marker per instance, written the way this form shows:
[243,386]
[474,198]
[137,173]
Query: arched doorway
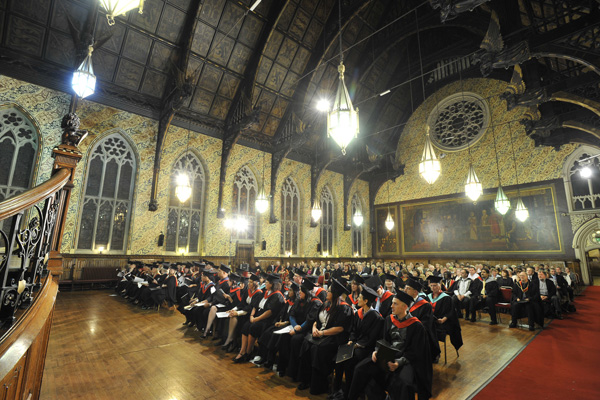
[585,244]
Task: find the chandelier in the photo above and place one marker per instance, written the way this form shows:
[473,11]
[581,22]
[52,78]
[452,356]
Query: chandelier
[430,166]
[183,190]
[357,217]
[502,203]
[521,211]
[473,187]
[84,80]
[342,120]
[262,202]
[389,221]
[114,8]
[316,212]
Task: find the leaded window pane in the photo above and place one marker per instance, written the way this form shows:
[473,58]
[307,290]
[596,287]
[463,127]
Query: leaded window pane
[185,219]
[110,179]
[290,217]
[244,189]
[327,224]
[585,191]
[18,149]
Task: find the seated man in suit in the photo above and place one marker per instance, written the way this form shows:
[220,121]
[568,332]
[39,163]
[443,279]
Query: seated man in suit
[525,299]
[548,296]
[461,293]
[487,296]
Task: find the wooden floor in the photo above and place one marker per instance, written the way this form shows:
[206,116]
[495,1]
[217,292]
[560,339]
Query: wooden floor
[101,347]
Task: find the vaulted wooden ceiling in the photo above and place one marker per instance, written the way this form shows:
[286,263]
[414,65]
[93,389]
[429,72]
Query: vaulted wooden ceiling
[253,77]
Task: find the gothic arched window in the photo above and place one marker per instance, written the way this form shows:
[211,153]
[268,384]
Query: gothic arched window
[357,231]
[244,197]
[108,197]
[184,222]
[18,151]
[290,217]
[327,222]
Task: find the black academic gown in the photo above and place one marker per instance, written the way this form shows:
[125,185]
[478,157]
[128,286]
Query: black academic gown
[317,356]
[205,291]
[385,307]
[415,372]
[366,329]
[442,307]
[268,342]
[305,314]
[423,310]
[166,292]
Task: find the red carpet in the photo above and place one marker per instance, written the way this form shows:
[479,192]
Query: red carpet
[560,362]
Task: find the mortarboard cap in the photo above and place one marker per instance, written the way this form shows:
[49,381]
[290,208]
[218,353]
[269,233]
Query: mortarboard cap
[404,297]
[308,285]
[434,279]
[273,278]
[358,279]
[254,277]
[294,286]
[413,283]
[373,282]
[235,277]
[390,277]
[225,268]
[368,293]
[313,278]
[337,288]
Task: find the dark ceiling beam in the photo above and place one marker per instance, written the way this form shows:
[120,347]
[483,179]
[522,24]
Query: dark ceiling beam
[242,115]
[177,90]
[565,31]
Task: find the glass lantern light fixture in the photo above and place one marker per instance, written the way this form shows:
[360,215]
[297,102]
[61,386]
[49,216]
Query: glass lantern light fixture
[473,187]
[84,80]
[342,120]
[114,8]
[502,203]
[262,202]
[430,167]
[183,190]
[357,218]
[389,221]
[316,211]
[521,211]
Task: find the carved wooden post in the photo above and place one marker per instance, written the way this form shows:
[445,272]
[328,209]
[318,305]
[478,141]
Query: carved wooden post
[66,155]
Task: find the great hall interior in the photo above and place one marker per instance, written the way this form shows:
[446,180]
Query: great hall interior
[287,132]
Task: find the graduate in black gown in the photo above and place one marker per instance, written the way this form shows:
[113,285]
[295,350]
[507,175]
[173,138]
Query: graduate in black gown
[268,342]
[422,309]
[167,289]
[384,302]
[367,328]
[262,316]
[320,346]
[410,370]
[238,292]
[221,288]
[204,289]
[202,303]
[303,316]
[444,313]
[241,314]
[355,288]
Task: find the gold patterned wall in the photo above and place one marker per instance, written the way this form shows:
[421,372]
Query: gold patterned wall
[534,164]
[47,107]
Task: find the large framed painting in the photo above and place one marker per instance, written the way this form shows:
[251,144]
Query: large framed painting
[457,225]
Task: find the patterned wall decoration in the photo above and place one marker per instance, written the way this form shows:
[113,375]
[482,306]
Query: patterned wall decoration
[47,108]
[534,164]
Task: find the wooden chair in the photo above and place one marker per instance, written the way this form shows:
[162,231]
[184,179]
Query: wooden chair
[442,338]
[505,303]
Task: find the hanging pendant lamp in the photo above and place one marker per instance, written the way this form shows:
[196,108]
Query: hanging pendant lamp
[183,190]
[316,211]
[389,221]
[342,120]
[521,211]
[473,187]
[357,218]
[430,166]
[262,202]
[502,203]
[84,80]
[114,8]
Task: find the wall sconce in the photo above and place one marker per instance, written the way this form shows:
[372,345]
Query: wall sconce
[182,251]
[101,249]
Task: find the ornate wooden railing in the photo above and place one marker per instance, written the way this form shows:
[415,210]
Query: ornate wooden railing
[30,267]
